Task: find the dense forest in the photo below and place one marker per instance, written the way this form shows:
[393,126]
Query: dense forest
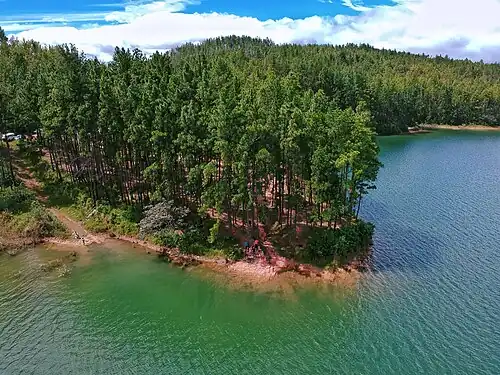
[240,126]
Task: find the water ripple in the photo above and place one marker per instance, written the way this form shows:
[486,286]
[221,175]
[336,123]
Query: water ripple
[429,306]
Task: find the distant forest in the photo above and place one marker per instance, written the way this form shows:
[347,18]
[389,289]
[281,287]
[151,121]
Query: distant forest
[234,123]
[400,89]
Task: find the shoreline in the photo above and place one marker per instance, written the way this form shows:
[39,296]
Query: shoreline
[429,127]
[258,272]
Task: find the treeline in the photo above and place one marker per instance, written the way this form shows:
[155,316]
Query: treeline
[247,128]
[207,127]
[401,90]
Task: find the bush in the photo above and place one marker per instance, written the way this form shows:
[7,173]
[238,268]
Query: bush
[229,247]
[168,237]
[163,216]
[102,218]
[191,241]
[62,193]
[326,244]
[124,220]
[37,223]
[16,199]
[96,224]
[195,240]
[25,216]
[6,178]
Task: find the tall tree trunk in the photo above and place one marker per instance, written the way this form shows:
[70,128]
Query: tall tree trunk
[11,167]
[359,206]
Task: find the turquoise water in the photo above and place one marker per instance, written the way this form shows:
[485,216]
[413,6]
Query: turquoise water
[430,306]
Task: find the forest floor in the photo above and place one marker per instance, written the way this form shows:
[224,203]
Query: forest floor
[264,268]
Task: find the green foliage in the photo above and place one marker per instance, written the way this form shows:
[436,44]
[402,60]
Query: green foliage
[37,223]
[227,246]
[63,193]
[177,227]
[104,218]
[3,37]
[16,199]
[214,232]
[327,244]
[24,216]
[124,220]
[240,128]
[193,241]
[6,177]
[96,224]
[168,237]
[196,240]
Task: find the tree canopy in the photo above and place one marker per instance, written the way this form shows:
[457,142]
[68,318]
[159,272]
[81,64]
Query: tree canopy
[237,125]
[3,37]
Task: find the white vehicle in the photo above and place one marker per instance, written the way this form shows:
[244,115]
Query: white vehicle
[9,137]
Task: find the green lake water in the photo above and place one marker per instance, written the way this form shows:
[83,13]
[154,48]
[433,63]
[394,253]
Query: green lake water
[431,305]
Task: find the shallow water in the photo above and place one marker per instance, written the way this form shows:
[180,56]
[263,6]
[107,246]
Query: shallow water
[431,305]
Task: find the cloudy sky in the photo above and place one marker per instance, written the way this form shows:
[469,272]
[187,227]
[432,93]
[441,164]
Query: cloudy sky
[458,28]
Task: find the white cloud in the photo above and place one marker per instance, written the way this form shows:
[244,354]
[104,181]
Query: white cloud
[134,11]
[356,5]
[457,28]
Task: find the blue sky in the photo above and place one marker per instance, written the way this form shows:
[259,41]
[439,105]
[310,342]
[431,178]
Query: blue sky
[260,9]
[459,28]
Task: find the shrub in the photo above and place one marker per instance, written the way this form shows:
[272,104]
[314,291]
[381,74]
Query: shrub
[25,216]
[163,215]
[326,244]
[15,199]
[194,240]
[124,220]
[167,237]
[37,223]
[62,193]
[96,224]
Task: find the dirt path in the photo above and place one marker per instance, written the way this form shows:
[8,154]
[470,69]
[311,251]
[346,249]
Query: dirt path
[80,234]
[81,237]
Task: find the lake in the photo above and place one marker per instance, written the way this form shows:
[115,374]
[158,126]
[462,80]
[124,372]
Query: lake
[429,306]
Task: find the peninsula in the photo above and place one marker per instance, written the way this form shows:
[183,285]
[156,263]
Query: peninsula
[235,148]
